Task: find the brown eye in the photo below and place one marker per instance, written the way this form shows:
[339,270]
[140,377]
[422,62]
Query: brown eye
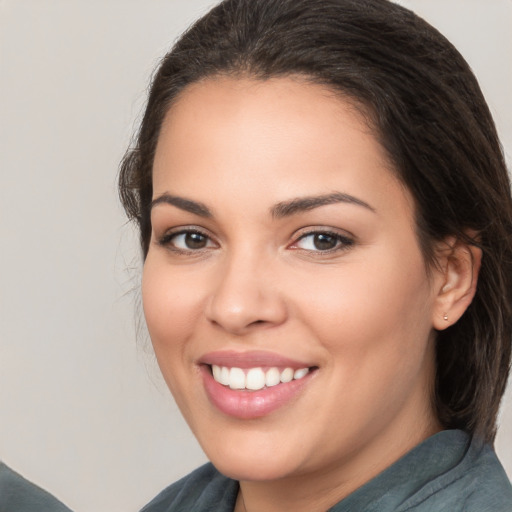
[195,240]
[187,240]
[323,241]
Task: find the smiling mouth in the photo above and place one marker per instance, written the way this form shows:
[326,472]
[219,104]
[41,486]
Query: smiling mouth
[255,379]
[252,386]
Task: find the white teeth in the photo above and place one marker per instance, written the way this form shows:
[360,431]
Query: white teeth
[272,377]
[216,373]
[224,376]
[236,378]
[287,375]
[300,373]
[255,379]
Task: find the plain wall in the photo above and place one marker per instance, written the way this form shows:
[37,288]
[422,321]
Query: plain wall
[83,410]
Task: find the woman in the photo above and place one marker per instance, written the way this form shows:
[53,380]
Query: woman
[325,219]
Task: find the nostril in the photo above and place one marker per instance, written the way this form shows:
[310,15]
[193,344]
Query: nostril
[257,323]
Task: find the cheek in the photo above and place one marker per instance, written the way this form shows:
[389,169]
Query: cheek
[374,326]
[171,308]
[369,313]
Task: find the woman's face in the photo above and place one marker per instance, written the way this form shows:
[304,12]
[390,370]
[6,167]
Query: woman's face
[284,248]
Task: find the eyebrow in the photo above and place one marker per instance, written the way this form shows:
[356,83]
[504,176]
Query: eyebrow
[183,204]
[280,210]
[302,204]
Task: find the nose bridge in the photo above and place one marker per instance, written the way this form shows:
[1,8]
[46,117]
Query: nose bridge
[245,294]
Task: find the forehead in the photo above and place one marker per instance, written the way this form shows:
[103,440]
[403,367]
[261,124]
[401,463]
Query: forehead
[267,105]
[282,137]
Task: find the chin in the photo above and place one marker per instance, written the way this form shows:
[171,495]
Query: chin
[252,464]
[246,469]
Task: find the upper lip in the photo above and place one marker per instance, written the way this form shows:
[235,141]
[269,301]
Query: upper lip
[251,359]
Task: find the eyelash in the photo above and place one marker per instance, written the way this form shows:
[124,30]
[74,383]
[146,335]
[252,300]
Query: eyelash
[343,242]
[167,239]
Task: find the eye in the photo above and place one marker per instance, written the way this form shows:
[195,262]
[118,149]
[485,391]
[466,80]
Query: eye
[323,241]
[187,240]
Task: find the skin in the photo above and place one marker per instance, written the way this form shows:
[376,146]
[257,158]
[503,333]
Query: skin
[364,313]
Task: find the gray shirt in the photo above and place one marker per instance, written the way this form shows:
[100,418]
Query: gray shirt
[448,472]
[19,495]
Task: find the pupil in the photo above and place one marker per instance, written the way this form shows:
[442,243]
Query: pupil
[195,241]
[324,242]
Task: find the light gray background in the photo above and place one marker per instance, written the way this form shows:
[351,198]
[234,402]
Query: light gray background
[83,411]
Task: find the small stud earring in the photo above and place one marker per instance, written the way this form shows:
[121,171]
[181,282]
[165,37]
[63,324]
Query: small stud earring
[445,317]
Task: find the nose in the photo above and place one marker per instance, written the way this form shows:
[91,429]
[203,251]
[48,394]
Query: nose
[245,296]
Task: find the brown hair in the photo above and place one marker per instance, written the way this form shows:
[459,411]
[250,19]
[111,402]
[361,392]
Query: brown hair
[429,114]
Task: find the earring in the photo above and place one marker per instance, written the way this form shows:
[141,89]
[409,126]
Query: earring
[445,317]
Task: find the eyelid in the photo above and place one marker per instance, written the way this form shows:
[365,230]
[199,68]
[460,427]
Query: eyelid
[165,239]
[347,239]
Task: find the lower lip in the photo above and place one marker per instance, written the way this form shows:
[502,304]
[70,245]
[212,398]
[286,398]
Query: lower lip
[246,405]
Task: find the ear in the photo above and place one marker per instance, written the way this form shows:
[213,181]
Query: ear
[456,279]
